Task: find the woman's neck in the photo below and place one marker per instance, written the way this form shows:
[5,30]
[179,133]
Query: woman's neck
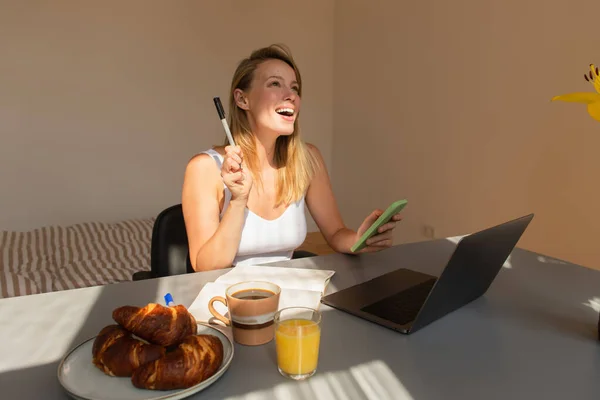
[265,149]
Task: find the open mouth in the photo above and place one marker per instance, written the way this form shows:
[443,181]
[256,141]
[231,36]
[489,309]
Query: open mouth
[286,112]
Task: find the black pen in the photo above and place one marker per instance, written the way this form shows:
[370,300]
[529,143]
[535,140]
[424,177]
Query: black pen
[223,120]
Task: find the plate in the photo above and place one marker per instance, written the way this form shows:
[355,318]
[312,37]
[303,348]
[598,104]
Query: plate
[82,380]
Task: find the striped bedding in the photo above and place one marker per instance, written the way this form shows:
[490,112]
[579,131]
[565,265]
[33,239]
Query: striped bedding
[88,254]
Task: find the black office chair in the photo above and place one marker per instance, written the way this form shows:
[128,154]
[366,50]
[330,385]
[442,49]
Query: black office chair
[169,246]
[169,253]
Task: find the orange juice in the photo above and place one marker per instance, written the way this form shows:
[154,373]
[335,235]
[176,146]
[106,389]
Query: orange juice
[297,343]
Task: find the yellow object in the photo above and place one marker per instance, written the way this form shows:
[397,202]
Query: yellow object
[591,99]
[297,344]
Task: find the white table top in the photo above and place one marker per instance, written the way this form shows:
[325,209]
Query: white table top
[532,335]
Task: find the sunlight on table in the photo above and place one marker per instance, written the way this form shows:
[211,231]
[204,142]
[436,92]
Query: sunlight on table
[52,333]
[373,380]
[593,303]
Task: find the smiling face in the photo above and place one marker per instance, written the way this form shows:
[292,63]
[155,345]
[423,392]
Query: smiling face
[272,102]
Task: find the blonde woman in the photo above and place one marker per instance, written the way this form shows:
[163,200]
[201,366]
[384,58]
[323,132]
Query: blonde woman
[245,204]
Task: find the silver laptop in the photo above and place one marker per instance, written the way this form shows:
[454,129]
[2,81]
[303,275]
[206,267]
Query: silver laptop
[406,300]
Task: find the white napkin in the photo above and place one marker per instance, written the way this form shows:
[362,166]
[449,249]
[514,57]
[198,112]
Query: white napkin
[288,278]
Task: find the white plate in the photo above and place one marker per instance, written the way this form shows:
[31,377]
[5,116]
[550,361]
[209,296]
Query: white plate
[82,380]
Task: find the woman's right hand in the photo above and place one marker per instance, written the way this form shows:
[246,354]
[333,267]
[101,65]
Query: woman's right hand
[235,174]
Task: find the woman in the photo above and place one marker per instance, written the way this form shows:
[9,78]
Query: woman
[244,204]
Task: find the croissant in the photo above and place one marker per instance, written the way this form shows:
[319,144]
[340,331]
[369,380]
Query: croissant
[196,359]
[157,324]
[117,353]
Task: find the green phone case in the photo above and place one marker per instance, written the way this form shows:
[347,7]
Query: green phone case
[394,208]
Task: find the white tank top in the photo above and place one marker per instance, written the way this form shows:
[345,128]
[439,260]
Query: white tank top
[266,240]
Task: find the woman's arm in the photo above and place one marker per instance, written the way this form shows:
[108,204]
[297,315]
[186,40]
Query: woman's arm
[324,210]
[212,244]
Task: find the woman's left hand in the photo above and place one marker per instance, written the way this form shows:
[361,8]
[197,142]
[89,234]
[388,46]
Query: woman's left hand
[384,237]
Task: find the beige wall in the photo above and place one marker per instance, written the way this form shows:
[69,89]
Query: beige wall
[102,103]
[447,104]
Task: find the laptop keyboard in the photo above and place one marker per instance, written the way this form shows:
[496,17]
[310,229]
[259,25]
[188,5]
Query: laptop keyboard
[402,307]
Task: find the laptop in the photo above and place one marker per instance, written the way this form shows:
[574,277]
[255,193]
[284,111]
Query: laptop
[406,300]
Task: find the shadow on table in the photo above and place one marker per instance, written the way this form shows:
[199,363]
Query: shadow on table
[488,349]
[535,296]
[363,361]
[254,375]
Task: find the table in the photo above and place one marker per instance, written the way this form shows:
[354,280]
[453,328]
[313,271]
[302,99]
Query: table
[532,335]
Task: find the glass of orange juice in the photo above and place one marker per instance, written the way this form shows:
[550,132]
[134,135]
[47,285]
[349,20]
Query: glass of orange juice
[297,338]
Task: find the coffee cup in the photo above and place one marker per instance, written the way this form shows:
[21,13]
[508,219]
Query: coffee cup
[252,306]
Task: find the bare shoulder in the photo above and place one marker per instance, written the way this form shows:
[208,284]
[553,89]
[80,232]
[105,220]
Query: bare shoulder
[204,166]
[201,162]
[315,153]
[312,148]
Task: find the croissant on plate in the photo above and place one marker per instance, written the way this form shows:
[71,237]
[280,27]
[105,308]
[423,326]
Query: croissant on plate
[196,359]
[157,324]
[117,353]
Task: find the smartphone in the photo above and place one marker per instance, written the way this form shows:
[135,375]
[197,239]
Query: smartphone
[393,209]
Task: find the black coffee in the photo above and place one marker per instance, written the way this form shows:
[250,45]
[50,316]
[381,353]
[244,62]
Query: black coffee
[253,294]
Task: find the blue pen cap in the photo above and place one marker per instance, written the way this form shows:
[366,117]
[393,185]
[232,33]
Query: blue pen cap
[169,299]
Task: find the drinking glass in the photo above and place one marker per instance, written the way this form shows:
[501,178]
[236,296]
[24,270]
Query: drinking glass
[297,339]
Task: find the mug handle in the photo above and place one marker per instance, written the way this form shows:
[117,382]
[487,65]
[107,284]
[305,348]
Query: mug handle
[214,312]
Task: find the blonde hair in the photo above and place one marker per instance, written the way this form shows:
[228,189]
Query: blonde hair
[295,163]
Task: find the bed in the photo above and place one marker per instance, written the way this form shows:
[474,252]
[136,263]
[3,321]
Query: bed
[56,258]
